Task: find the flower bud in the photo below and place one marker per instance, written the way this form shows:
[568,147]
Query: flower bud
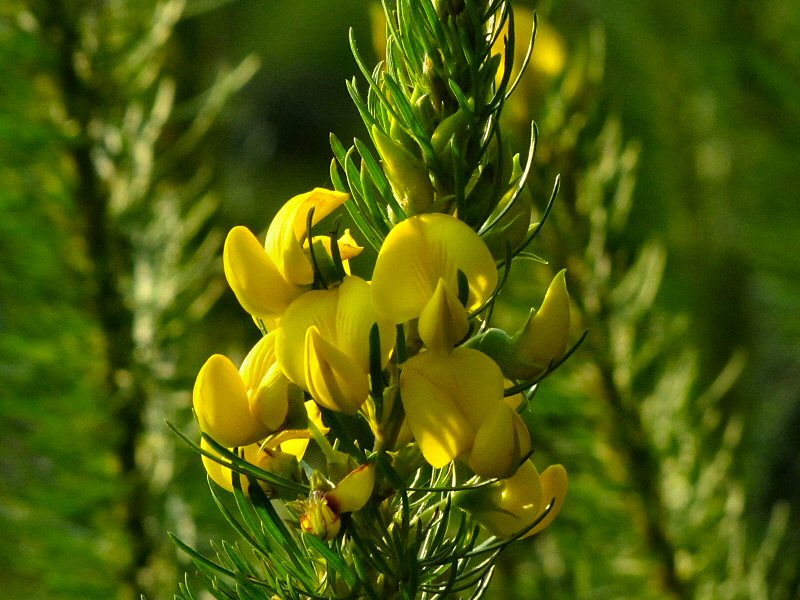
[451,131]
[406,173]
[542,340]
[353,492]
[319,519]
[544,337]
[324,509]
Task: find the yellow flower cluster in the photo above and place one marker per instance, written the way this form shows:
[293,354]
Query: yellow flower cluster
[332,335]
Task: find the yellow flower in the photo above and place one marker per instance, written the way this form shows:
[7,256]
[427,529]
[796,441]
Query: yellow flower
[513,505]
[322,344]
[354,490]
[254,277]
[420,251]
[323,509]
[319,519]
[289,227]
[239,407]
[266,279]
[542,340]
[273,461]
[222,406]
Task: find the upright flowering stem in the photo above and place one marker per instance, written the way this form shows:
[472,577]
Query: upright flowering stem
[414,459]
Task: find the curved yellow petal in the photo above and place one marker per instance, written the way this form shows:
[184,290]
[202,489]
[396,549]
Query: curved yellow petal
[499,444]
[288,228]
[515,505]
[258,361]
[355,316]
[334,379]
[222,406]
[316,308]
[253,276]
[554,489]
[544,337]
[446,398]
[220,474]
[353,492]
[443,321]
[269,403]
[476,380]
[421,250]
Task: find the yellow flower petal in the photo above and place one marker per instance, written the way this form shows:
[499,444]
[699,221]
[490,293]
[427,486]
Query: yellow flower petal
[257,362]
[288,228]
[220,474]
[222,406]
[352,492]
[443,321]
[338,354]
[355,316]
[544,337]
[313,309]
[514,504]
[511,506]
[500,443]
[446,398]
[334,379]
[253,276]
[417,253]
[554,488]
[269,403]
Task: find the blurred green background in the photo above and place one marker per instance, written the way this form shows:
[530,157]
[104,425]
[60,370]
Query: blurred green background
[134,134]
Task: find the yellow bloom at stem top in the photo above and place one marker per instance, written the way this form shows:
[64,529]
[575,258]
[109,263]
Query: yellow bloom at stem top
[266,279]
[420,251]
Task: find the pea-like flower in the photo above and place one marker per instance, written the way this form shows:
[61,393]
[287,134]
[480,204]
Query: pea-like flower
[454,406]
[322,343]
[513,505]
[323,509]
[266,279]
[420,251]
[240,407]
